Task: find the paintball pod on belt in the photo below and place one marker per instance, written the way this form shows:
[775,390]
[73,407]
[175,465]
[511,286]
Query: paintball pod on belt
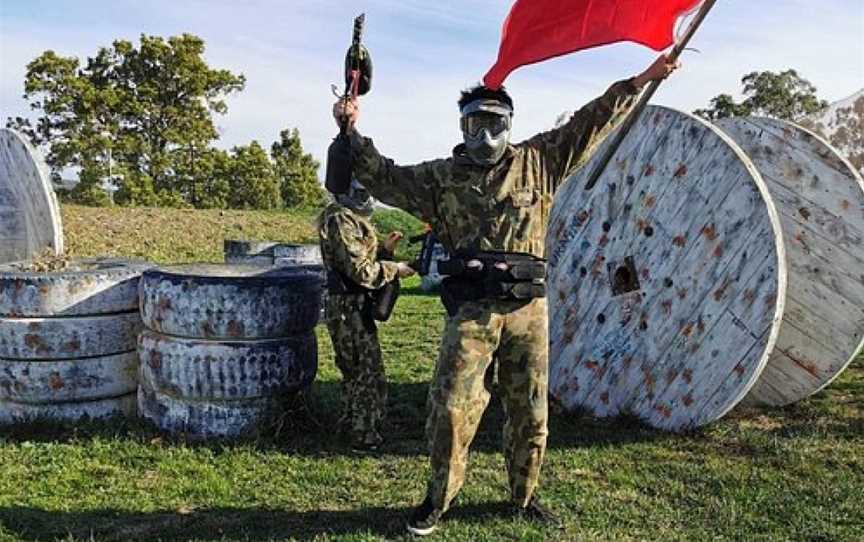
[491,275]
[358,81]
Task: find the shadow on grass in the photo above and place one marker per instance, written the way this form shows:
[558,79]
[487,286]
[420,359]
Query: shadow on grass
[306,428]
[32,524]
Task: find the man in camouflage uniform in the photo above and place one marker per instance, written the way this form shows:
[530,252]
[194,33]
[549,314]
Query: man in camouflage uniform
[355,265]
[491,196]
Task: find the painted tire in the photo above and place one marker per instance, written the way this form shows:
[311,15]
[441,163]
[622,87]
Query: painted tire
[68,338]
[91,287]
[226,302]
[203,419]
[11,413]
[76,380]
[199,370]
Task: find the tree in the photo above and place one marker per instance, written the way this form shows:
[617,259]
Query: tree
[784,95]
[297,171]
[143,104]
[251,179]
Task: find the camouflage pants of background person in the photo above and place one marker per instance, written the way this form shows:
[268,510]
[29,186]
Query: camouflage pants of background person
[516,335]
[358,357]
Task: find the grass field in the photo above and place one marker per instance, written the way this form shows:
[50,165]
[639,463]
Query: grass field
[794,473]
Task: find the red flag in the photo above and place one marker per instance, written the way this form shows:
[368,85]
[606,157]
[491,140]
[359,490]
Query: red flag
[536,30]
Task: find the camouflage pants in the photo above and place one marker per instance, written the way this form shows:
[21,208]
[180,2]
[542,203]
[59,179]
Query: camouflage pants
[516,335]
[358,357]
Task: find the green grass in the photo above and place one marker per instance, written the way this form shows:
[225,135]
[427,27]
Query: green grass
[794,473]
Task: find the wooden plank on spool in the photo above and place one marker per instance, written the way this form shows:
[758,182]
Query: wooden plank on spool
[29,212]
[694,240]
[820,198]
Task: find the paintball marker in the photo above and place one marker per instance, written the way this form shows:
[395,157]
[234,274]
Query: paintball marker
[424,258]
[358,81]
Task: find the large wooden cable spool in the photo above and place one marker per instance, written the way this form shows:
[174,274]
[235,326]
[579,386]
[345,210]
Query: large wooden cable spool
[820,200]
[682,275]
[29,213]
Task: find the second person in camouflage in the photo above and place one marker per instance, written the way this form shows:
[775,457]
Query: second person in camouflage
[491,196]
[355,264]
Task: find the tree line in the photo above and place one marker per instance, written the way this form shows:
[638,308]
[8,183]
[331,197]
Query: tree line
[139,121]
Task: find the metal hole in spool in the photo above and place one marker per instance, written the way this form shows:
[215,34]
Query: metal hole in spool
[730,301]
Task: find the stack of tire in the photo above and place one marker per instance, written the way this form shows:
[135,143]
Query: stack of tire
[225,345]
[68,341]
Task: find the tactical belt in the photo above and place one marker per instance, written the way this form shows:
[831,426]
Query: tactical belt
[491,275]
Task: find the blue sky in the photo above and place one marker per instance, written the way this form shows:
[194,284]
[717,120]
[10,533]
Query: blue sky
[425,52]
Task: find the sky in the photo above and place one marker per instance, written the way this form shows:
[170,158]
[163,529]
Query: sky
[425,52]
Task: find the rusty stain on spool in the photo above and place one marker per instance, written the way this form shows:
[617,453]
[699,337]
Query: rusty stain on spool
[710,231]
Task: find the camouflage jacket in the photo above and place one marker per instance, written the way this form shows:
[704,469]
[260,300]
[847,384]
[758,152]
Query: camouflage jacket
[349,246]
[504,207]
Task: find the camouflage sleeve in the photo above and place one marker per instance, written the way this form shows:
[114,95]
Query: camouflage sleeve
[410,188]
[567,147]
[354,254]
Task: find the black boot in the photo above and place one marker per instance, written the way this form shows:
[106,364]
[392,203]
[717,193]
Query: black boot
[537,512]
[424,519]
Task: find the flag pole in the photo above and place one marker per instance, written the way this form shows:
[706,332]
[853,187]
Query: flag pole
[646,96]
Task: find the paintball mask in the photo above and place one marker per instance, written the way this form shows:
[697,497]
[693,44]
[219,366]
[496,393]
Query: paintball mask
[357,198]
[486,128]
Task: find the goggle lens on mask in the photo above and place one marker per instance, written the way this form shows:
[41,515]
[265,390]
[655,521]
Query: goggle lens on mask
[477,122]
